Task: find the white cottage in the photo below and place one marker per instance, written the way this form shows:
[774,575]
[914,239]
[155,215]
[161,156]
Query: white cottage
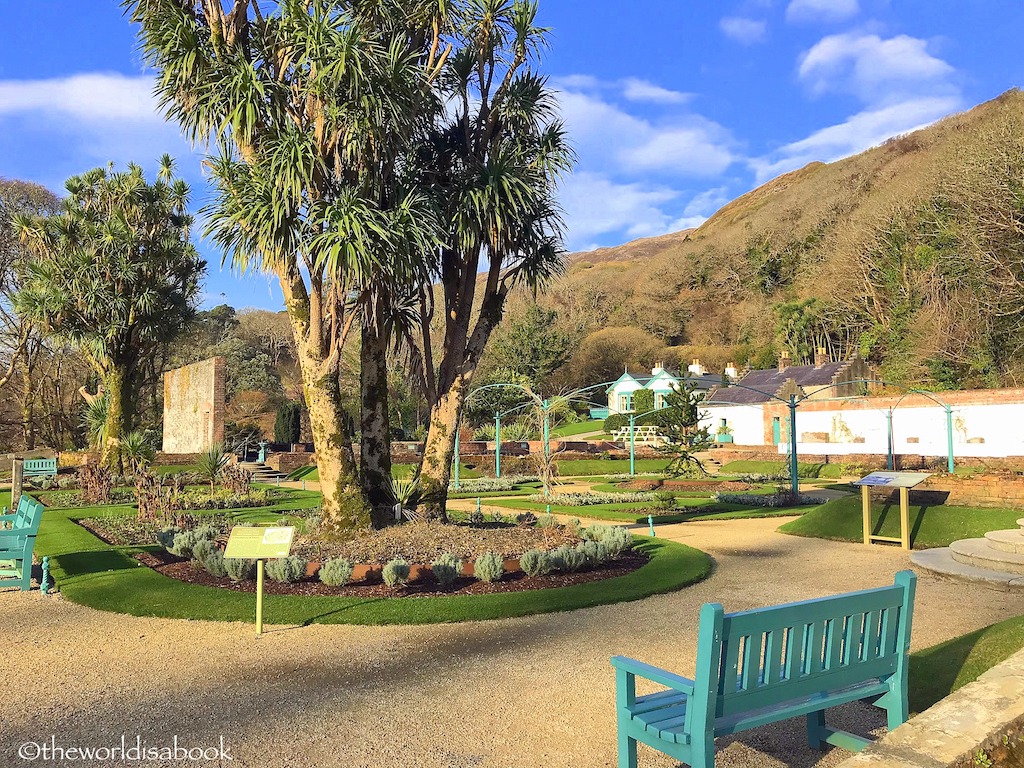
[661,381]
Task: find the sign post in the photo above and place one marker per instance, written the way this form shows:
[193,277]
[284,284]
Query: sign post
[902,480]
[259,544]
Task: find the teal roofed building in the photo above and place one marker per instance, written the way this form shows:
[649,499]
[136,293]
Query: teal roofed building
[661,381]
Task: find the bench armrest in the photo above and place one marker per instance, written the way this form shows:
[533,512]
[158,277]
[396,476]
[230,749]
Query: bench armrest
[655,674]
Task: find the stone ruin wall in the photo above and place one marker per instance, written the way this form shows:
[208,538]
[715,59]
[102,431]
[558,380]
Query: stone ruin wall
[194,407]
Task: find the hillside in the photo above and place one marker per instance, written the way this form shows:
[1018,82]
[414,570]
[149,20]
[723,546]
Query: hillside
[911,253]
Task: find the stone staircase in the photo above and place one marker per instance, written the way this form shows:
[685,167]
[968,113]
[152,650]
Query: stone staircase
[261,473]
[996,559]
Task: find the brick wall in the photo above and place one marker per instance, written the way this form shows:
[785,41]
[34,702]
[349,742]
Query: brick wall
[286,463]
[990,490]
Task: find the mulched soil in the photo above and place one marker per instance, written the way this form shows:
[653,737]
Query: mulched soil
[423,542]
[518,581]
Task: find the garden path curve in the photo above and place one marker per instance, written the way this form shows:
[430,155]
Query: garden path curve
[536,691]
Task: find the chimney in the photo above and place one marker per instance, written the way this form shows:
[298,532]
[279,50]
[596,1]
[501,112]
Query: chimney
[658,368]
[696,368]
[731,373]
[783,360]
[820,357]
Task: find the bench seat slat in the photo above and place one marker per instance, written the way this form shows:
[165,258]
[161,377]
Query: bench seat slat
[657,700]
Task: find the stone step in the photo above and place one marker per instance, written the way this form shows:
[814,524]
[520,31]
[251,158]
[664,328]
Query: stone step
[1021,522]
[1007,541]
[978,553]
[940,562]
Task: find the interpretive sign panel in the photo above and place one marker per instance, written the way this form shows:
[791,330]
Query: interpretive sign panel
[259,543]
[894,479]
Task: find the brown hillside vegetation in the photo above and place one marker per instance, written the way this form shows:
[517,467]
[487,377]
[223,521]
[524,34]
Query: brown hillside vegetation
[911,253]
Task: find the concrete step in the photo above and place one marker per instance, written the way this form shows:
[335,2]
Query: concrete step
[978,553]
[940,562]
[1007,541]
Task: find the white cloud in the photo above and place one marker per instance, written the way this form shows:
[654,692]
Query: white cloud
[609,137]
[93,97]
[821,10]
[742,30]
[635,89]
[859,132]
[595,206]
[867,65]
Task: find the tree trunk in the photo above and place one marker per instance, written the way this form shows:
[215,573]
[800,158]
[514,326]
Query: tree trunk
[439,450]
[375,424]
[343,504]
[116,384]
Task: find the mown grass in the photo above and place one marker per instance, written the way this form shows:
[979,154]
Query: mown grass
[89,572]
[804,470]
[938,671]
[579,428]
[687,509]
[398,470]
[591,467]
[930,525]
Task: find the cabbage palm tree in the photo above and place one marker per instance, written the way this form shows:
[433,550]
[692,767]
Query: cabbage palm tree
[307,105]
[493,165]
[114,273]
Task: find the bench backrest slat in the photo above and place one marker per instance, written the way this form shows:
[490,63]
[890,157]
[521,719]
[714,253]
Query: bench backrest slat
[28,516]
[776,654]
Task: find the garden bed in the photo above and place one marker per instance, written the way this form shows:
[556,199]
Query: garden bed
[1004,749]
[370,585]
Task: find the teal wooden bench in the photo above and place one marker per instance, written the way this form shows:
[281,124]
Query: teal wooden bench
[759,667]
[40,468]
[17,540]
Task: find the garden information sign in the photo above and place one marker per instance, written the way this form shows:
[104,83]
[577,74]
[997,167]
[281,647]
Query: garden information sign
[259,544]
[902,480]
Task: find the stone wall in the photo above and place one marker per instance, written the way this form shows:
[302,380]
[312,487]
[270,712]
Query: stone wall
[991,490]
[286,463]
[194,407]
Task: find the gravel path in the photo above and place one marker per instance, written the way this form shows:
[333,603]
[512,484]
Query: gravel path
[536,691]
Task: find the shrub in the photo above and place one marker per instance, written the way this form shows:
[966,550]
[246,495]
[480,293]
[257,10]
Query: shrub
[567,559]
[615,422]
[239,569]
[547,521]
[215,564]
[336,572]
[526,518]
[476,517]
[617,540]
[396,572]
[447,568]
[774,500]
[594,552]
[490,566]
[535,562]
[202,550]
[591,498]
[183,543]
[165,538]
[287,569]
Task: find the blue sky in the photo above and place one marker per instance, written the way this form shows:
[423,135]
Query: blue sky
[675,107]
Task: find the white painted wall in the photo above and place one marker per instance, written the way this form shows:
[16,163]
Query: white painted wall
[746,421]
[998,425]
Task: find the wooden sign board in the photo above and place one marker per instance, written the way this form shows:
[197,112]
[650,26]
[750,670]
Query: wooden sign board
[259,543]
[894,479]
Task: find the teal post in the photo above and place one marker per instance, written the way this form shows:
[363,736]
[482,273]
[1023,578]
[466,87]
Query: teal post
[949,439]
[497,445]
[794,468]
[46,584]
[479,511]
[890,462]
[547,434]
[457,457]
[632,444]
[650,524]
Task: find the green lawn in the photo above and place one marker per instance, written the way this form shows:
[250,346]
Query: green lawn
[580,428]
[591,467]
[938,671]
[930,526]
[169,469]
[92,573]
[804,470]
[398,470]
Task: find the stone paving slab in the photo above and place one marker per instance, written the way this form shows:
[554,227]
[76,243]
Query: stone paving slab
[940,562]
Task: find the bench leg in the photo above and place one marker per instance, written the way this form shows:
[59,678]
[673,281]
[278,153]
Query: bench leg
[898,710]
[817,733]
[627,750]
[703,754]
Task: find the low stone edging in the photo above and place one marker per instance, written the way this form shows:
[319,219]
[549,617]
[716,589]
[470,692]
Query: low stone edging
[956,727]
